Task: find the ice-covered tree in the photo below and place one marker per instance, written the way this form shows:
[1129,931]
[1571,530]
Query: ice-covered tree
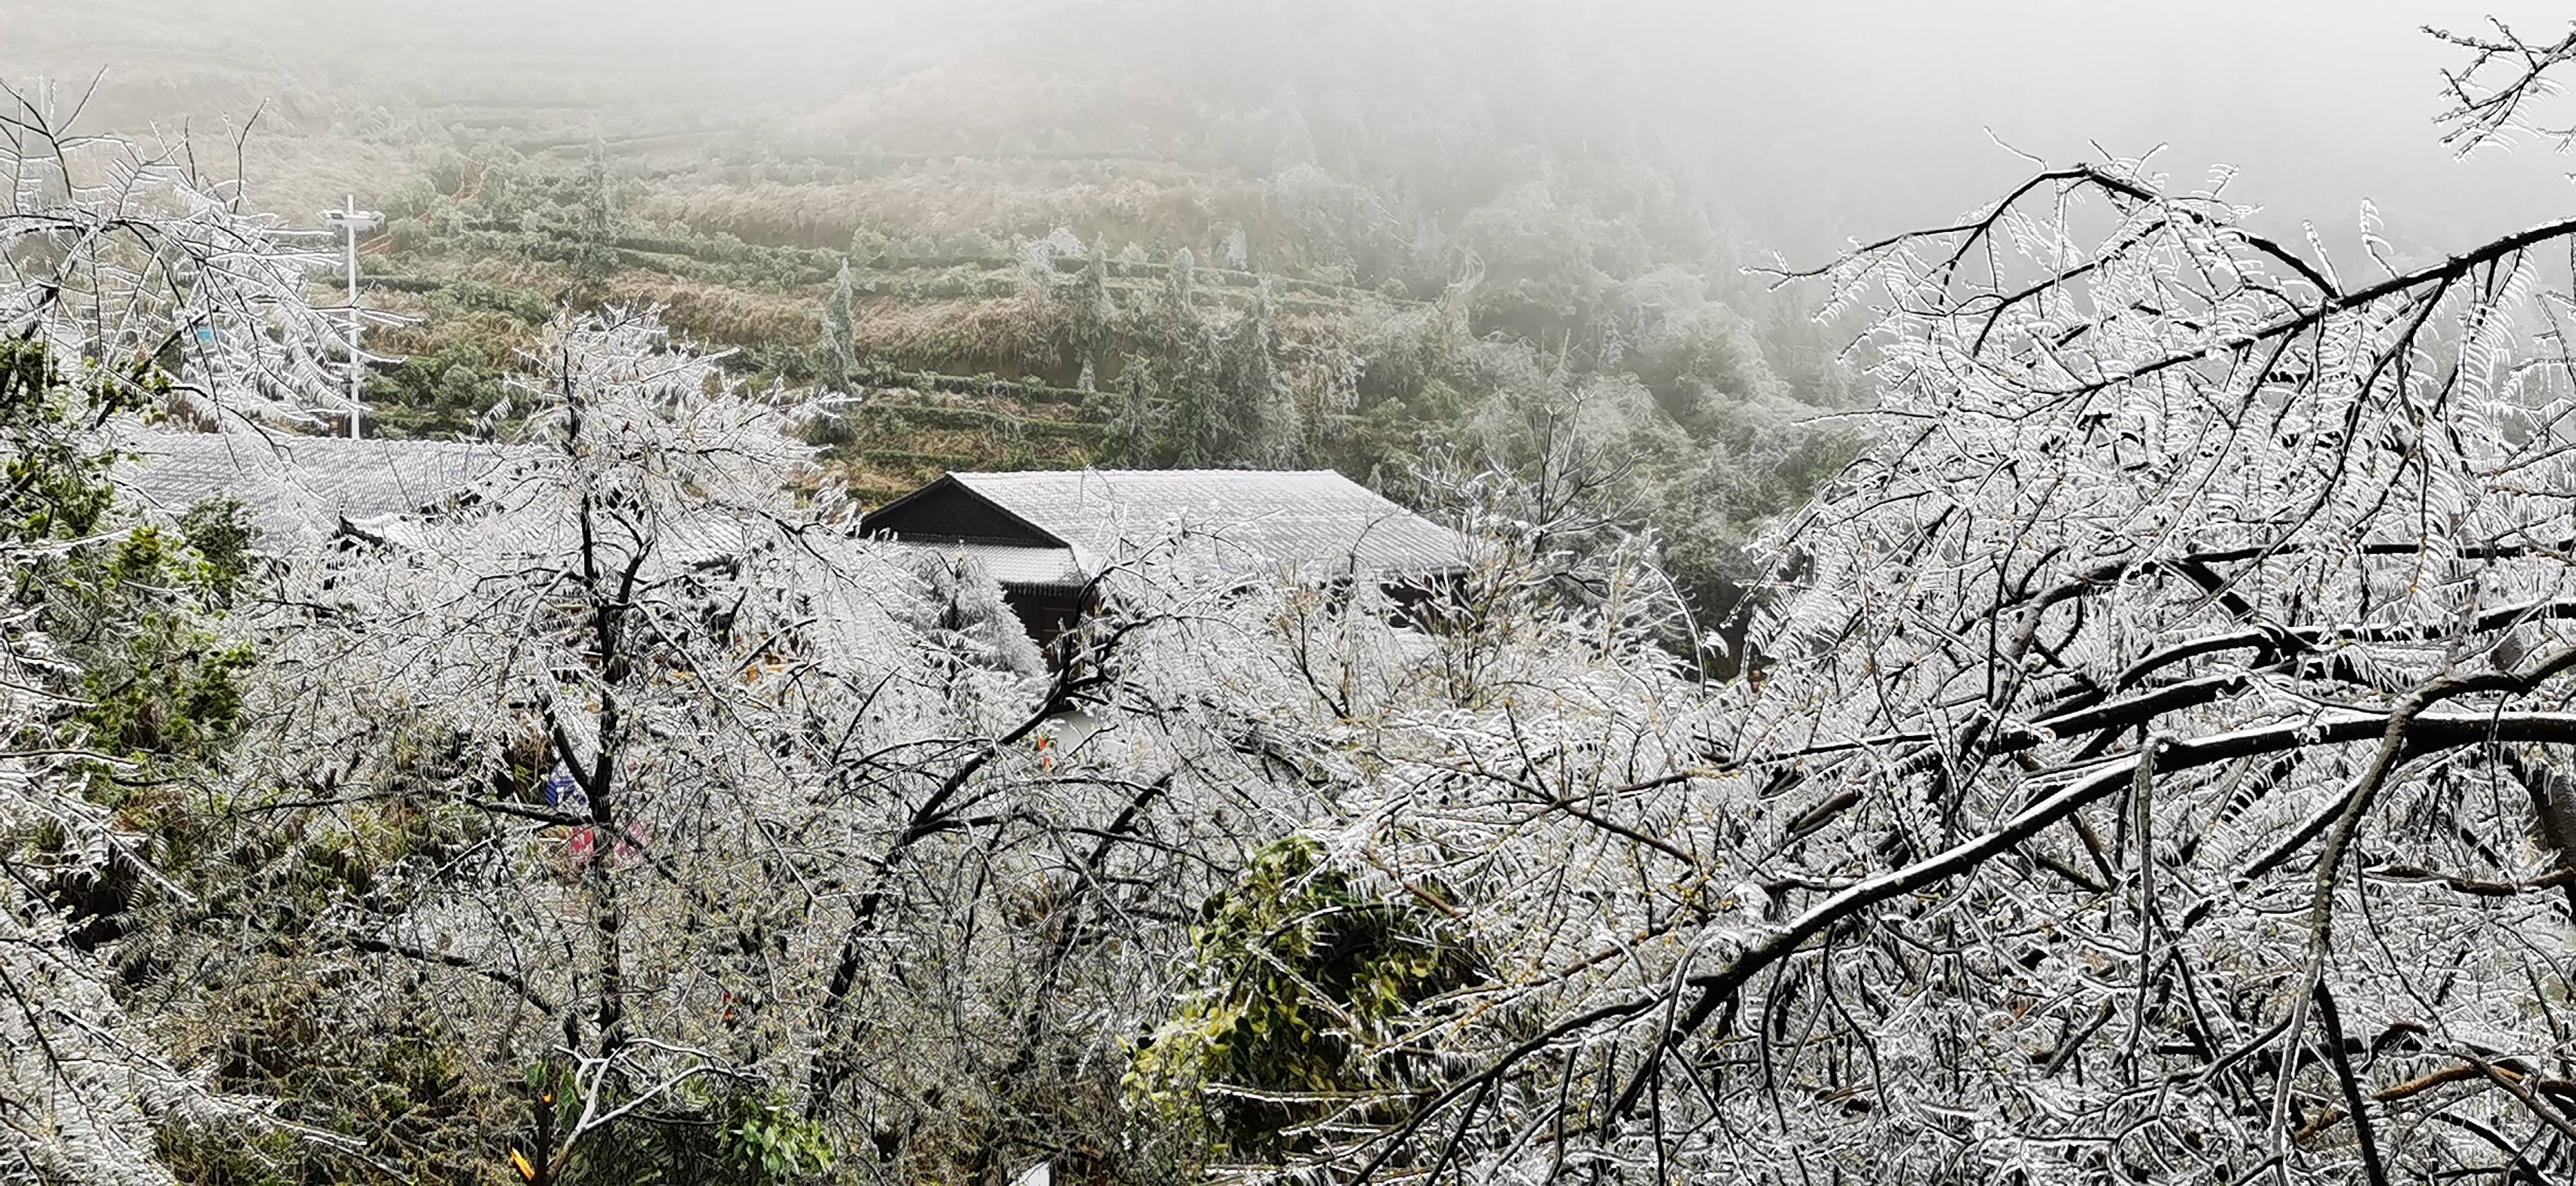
[1094,316]
[120,681]
[128,283]
[963,614]
[128,264]
[2154,765]
[1197,425]
[595,218]
[1130,437]
[663,804]
[623,690]
[1264,414]
[836,361]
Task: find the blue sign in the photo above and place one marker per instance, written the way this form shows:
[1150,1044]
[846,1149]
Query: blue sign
[562,791]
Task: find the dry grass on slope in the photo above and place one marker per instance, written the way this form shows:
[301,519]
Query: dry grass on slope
[1122,201]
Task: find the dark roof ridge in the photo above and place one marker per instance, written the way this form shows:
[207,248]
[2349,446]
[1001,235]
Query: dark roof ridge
[1234,469]
[950,481]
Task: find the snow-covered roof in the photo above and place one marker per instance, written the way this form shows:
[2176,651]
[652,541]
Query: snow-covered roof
[297,482]
[1031,518]
[1020,566]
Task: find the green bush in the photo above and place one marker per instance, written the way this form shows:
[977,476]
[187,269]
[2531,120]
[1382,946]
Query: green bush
[1300,972]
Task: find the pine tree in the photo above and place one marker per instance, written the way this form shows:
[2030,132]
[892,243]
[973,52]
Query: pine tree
[1131,431]
[1264,411]
[596,257]
[836,364]
[1095,315]
[1180,298]
[1198,431]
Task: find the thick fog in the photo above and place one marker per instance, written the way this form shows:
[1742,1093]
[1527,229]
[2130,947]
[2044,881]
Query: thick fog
[1844,117]
[1818,120]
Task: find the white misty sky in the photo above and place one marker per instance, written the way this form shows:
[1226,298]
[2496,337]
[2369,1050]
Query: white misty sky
[1848,117]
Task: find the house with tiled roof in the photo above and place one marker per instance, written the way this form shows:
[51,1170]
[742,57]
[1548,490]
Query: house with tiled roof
[1044,535]
[311,488]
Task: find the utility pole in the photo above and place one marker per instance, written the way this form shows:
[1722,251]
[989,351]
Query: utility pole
[352,220]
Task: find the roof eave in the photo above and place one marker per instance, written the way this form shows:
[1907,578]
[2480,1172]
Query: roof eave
[951,481]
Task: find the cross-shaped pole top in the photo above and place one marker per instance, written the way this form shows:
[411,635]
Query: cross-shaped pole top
[348,216]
